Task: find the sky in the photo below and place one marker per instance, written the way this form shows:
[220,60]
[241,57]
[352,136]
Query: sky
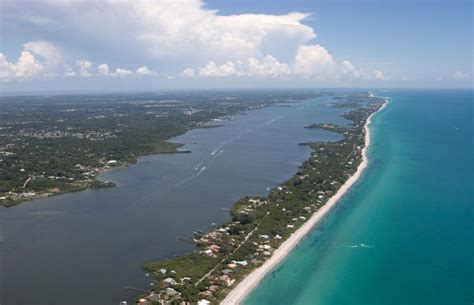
[186,44]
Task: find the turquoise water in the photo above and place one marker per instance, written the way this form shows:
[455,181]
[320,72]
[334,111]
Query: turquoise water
[405,233]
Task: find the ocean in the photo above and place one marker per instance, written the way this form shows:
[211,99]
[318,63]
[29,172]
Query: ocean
[404,234]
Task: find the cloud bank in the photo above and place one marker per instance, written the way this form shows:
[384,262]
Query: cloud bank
[197,40]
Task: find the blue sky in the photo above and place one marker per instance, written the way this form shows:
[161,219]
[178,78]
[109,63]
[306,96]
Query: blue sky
[94,45]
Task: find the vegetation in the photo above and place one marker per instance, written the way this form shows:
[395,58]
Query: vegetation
[55,144]
[259,225]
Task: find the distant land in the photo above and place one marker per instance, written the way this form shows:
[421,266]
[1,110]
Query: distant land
[53,144]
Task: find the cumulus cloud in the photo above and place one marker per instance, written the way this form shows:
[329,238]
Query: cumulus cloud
[122,72]
[24,68]
[68,71]
[379,75]
[103,69]
[46,50]
[85,68]
[171,29]
[226,69]
[350,71]
[188,72]
[463,76]
[269,66]
[314,61]
[187,32]
[144,71]
[311,61]
[38,58]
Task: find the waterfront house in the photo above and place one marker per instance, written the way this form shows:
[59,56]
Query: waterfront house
[214,248]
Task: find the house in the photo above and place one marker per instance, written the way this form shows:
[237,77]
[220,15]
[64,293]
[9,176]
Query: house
[203,302]
[214,248]
[207,252]
[171,292]
[168,282]
[54,190]
[205,293]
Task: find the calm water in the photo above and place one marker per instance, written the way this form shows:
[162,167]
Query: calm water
[405,233]
[82,248]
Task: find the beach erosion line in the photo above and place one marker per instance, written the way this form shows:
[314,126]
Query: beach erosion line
[250,282]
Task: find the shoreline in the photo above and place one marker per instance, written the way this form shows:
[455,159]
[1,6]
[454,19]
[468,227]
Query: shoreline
[251,281]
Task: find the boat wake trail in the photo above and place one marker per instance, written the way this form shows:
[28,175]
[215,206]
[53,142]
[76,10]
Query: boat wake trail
[273,120]
[361,246]
[452,125]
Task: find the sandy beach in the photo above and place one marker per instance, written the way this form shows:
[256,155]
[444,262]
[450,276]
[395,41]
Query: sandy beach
[240,292]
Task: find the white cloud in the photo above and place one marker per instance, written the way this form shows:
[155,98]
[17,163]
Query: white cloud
[38,58]
[103,69]
[171,29]
[68,72]
[46,50]
[122,72]
[188,72]
[314,61]
[85,67]
[227,69]
[350,71]
[380,75]
[187,28]
[183,32]
[26,67]
[144,71]
[463,76]
[269,66]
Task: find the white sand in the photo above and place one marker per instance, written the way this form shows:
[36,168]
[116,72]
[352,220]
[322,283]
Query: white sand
[238,294]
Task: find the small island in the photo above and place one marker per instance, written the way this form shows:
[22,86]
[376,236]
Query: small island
[260,225]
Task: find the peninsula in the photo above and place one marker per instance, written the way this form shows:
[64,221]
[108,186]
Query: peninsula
[60,143]
[231,260]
